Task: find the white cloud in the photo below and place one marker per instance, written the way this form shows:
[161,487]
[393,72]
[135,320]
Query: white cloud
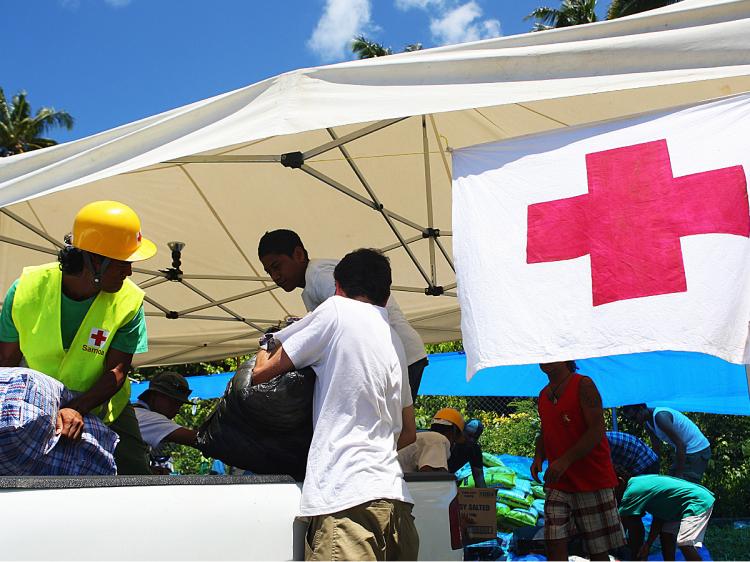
[463,23]
[76,4]
[340,22]
[419,4]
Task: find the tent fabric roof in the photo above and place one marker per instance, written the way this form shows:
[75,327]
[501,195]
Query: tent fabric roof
[375,170]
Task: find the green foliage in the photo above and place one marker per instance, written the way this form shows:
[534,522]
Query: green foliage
[20,131]
[445,347]
[728,543]
[511,433]
[186,459]
[621,8]
[514,433]
[728,474]
[570,12]
[192,369]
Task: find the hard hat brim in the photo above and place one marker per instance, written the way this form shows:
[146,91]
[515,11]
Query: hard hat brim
[146,250]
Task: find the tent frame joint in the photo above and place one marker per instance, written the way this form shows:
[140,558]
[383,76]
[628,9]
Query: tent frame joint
[434,291]
[430,232]
[292,160]
[172,315]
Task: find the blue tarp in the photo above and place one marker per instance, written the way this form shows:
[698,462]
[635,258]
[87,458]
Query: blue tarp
[691,382]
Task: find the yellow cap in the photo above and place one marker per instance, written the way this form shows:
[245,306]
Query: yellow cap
[112,230]
[450,415]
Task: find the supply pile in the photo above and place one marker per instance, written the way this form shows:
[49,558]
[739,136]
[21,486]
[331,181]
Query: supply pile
[520,502]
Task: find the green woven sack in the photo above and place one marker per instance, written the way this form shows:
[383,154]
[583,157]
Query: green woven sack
[488,459]
[512,518]
[515,498]
[494,477]
[538,491]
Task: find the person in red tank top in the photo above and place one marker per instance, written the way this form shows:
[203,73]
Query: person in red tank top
[580,478]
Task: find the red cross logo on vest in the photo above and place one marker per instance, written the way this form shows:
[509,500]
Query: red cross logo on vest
[97,337]
[632,219]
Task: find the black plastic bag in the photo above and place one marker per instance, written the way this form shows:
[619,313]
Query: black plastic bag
[266,428]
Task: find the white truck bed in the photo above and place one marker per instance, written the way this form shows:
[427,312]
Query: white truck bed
[183,517]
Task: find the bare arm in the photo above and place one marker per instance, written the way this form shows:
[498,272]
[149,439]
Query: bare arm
[116,368]
[10,354]
[69,423]
[183,436]
[634,526]
[477,472]
[539,457]
[656,443]
[593,415]
[268,366]
[666,424]
[408,429]
[656,527]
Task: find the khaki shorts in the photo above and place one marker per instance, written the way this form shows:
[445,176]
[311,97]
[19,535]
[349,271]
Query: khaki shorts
[375,530]
[690,530]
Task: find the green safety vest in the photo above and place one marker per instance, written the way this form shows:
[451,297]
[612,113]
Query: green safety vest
[36,315]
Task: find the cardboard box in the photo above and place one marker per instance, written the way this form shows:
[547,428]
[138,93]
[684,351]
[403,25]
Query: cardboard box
[478,515]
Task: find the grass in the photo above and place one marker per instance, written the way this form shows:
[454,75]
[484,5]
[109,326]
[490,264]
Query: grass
[724,542]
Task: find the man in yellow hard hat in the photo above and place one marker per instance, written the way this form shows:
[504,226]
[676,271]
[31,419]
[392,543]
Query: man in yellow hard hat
[81,320]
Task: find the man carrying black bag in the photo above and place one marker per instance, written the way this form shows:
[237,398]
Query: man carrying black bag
[264,428]
[354,491]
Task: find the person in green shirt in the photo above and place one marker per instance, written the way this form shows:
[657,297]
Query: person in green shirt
[88,340]
[678,508]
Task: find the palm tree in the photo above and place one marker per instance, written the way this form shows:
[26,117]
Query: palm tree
[620,8]
[411,47]
[571,12]
[20,132]
[366,49]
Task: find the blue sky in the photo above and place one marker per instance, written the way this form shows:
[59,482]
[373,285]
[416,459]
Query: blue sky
[109,62]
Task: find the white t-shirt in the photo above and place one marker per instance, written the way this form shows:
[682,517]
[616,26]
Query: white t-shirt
[320,285]
[430,449]
[154,426]
[360,367]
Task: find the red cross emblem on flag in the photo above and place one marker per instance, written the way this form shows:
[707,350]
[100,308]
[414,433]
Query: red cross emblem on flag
[632,219]
[97,337]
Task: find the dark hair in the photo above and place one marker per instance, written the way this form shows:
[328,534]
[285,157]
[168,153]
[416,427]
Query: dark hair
[365,273]
[71,260]
[449,431]
[572,366]
[281,241]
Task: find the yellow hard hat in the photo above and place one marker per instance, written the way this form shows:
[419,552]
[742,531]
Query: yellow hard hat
[112,230]
[450,415]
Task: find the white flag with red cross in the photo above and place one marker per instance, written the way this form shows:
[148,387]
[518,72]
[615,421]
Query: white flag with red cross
[622,237]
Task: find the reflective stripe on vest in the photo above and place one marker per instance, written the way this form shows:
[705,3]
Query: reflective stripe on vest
[36,315]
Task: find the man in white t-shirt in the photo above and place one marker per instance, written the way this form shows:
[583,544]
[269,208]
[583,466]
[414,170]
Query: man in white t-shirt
[354,491]
[285,259]
[155,410]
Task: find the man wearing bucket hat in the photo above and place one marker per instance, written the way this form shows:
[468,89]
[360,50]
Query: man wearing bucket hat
[81,320]
[156,408]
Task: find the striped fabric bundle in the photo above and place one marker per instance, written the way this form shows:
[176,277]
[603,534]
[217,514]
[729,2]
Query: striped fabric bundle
[29,403]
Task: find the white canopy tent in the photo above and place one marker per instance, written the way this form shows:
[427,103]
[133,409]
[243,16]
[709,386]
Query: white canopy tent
[349,155]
